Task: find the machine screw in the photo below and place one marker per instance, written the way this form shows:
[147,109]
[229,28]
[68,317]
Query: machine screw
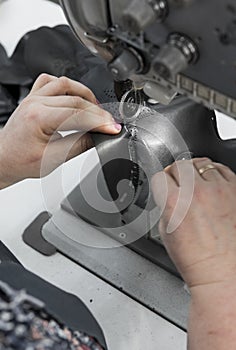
[114,71]
[122,235]
[175,56]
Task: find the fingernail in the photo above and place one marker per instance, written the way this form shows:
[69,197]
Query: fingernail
[118,127]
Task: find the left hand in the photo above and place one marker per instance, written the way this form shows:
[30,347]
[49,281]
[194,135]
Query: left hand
[53,105]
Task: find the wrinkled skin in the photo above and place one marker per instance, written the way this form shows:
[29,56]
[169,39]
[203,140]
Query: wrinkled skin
[203,247]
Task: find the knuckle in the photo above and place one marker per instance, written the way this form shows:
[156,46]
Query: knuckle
[36,156]
[84,89]
[91,95]
[76,102]
[226,168]
[204,159]
[172,167]
[175,165]
[64,82]
[32,111]
[87,92]
[44,78]
[26,102]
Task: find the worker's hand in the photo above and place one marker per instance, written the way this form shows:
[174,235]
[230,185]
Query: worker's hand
[203,246]
[54,104]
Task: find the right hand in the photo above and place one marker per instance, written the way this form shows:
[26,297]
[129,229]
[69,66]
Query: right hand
[203,246]
[53,105]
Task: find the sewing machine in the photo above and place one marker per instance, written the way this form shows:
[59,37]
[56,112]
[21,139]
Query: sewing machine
[173,63]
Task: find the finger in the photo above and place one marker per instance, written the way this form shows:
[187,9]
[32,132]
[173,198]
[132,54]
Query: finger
[181,172]
[226,172]
[60,151]
[41,81]
[65,119]
[168,170]
[210,174]
[75,102]
[162,186]
[66,86]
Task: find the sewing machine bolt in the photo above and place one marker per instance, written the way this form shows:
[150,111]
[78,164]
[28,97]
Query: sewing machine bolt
[115,71]
[122,235]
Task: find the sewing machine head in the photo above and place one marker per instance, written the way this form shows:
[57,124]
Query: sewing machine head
[156,49]
[164,46]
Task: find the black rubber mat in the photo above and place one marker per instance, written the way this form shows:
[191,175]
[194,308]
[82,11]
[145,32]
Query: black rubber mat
[33,235]
[66,307]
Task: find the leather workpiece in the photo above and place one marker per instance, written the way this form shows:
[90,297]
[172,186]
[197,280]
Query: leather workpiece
[7,100]
[154,140]
[159,136]
[55,51]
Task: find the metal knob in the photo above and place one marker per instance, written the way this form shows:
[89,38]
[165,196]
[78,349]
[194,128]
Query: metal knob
[141,13]
[169,62]
[125,65]
[175,56]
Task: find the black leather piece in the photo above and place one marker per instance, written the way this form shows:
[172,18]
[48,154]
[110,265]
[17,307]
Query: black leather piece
[7,100]
[64,306]
[6,255]
[32,235]
[13,71]
[7,104]
[3,56]
[157,144]
[55,51]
